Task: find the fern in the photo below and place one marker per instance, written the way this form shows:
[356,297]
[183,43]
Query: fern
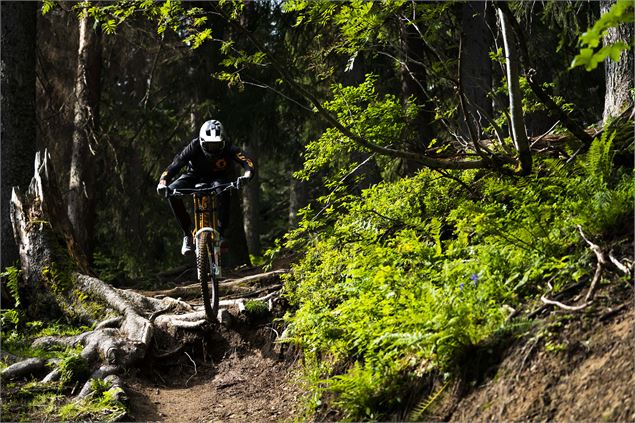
[12,275]
[417,412]
[599,159]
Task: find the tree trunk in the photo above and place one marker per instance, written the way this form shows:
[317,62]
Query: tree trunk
[619,75]
[236,253]
[81,195]
[18,111]
[476,68]
[519,134]
[298,198]
[251,201]
[413,85]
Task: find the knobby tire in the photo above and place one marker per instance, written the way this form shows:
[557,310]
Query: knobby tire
[206,276]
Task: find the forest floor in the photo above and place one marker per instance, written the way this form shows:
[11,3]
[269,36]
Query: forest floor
[563,366]
[239,374]
[243,380]
[570,366]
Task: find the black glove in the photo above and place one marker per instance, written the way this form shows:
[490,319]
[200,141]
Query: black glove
[163,190]
[241,181]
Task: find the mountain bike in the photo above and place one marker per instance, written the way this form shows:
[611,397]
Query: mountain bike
[207,240]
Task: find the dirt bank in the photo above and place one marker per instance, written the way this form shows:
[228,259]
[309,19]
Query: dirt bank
[576,366]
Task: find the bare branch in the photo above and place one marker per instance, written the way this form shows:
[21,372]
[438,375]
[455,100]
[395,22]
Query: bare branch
[331,119]
[564,306]
[600,267]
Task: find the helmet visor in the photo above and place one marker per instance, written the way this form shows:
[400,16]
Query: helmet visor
[212,146]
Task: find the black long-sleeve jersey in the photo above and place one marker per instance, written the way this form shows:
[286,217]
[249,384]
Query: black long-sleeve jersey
[205,166]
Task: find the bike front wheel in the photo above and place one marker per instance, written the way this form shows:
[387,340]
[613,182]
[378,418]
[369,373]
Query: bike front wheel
[206,272]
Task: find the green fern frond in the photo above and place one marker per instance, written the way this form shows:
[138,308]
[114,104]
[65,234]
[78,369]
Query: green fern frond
[417,412]
[12,275]
[599,159]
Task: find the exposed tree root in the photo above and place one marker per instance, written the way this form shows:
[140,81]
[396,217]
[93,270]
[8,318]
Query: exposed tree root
[564,306]
[588,300]
[24,368]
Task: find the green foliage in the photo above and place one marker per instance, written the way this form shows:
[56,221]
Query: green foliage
[590,56]
[407,277]
[10,317]
[12,277]
[73,368]
[33,401]
[381,119]
[256,308]
[103,405]
[48,5]
[36,401]
[419,410]
[17,339]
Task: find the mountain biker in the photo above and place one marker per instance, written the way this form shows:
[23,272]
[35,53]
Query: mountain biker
[208,158]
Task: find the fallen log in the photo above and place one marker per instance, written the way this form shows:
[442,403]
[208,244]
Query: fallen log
[228,287]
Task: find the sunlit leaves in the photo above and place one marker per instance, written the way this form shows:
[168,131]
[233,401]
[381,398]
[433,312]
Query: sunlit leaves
[402,279]
[48,5]
[620,13]
[381,119]
[190,23]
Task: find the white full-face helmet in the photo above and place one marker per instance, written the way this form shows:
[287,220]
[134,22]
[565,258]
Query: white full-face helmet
[212,137]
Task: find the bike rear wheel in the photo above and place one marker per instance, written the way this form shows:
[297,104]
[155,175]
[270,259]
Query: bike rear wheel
[205,268]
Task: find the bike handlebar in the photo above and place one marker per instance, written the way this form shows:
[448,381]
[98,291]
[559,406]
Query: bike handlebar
[205,190]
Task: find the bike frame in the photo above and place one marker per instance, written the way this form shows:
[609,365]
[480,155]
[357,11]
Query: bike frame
[207,239]
[206,216]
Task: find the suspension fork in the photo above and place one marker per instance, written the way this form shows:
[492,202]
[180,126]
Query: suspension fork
[206,219]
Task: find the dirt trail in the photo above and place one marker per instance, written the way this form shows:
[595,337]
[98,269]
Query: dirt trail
[237,373]
[244,379]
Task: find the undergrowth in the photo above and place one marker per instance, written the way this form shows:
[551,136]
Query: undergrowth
[49,401]
[405,279]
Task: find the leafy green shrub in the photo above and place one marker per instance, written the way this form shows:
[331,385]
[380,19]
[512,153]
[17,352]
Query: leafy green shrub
[405,279]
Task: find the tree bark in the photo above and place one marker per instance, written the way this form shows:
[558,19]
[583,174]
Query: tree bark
[81,195]
[619,75]
[251,200]
[235,252]
[413,85]
[554,110]
[18,111]
[298,198]
[476,68]
[519,134]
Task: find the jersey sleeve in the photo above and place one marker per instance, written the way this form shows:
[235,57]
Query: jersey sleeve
[178,162]
[241,158]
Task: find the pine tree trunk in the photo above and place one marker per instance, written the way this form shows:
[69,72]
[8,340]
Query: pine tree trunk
[18,111]
[298,198]
[476,68]
[81,196]
[413,85]
[238,253]
[251,202]
[519,134]
[619,76]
